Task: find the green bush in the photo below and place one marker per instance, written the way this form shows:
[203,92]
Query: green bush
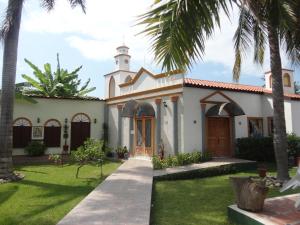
[258,149]
[180,160]
[35,148]
[293,145]
[261,149]
[208,172]
[91,151]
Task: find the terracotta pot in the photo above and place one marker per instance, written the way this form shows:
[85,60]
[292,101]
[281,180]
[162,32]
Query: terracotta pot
[262,172]
[121,155]
[65,148]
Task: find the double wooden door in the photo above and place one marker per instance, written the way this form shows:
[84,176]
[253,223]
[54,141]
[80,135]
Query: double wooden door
[80,132]
[144,136]
[218,136]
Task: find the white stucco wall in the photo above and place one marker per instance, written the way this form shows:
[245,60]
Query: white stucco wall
[61,109]
[295,112]
[166,124]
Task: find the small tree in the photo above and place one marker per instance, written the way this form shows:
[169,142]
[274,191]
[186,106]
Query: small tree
[90,152]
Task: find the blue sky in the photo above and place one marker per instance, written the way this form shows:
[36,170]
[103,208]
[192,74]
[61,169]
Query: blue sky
[90,40]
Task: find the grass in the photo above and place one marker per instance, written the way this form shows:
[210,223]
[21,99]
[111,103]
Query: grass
[198,201]
[47,192]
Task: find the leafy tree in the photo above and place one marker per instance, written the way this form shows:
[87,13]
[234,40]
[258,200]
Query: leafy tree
[178,30]
[90,152]
[59,83]
[9,34]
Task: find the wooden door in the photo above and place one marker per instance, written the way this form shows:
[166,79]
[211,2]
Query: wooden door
[144,136]
[218,136]
[80,132]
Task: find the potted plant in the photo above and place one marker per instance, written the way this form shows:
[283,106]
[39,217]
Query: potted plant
[121,151]
[262,170]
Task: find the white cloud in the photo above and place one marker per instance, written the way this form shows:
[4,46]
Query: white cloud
[98,32]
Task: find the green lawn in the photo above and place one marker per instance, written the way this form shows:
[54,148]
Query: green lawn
[198,201]
[47,193]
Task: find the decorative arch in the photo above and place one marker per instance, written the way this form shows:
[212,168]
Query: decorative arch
[271,81]
[81,117]
[231,108]
[112,87]
[128,79]
[286,80]
[136,109]
[22,122]
[52,123]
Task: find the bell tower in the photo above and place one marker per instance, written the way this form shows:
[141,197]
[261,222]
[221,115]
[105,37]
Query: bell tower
[122,58]
[287,81]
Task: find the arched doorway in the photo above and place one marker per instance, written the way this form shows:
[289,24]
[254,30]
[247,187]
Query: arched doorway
[220,128]
[142,117]
[80,130]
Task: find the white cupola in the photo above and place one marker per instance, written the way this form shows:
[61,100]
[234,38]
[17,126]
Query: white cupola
[122,59]
[287,80]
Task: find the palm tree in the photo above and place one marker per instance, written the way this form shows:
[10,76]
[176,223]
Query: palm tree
[179,29]
[60,83]
[262,22]
[9,34]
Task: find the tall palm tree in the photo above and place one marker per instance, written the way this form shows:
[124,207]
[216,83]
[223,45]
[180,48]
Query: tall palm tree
[179,29]
[270,22]
[9,34]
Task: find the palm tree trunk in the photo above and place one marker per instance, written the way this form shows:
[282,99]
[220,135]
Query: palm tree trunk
[8,87]
[280,138]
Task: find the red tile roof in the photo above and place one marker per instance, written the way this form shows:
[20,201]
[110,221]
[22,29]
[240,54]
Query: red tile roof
[188,82]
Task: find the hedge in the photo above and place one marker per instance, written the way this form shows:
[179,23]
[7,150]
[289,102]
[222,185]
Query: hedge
[209,172]
[262,149]
[180,160]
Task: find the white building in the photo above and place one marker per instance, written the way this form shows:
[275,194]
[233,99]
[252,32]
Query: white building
[143,110]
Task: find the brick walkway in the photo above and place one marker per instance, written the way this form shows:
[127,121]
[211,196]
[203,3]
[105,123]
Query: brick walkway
[124,198]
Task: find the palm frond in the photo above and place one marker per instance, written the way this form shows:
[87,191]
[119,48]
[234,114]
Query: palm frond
[8,20]
[49,4]
[242,40]
[178,30]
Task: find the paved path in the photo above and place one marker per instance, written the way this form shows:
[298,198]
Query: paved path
[124,198]
[215,162]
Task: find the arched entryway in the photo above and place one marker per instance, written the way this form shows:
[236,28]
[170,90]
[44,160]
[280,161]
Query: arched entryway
[142,122]
[220,128]
[80,130]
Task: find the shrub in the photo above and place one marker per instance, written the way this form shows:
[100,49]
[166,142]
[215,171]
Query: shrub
[261,149]
[180,160]
[121,151]
[91,151]
[56,158]
[35,148]
[293,145]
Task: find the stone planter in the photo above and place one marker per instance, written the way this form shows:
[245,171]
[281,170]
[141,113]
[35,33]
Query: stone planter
[250,194]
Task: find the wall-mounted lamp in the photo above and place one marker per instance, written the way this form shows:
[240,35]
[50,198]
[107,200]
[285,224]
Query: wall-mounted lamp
[66,120]
[95,120]
[165,104]
[38,120]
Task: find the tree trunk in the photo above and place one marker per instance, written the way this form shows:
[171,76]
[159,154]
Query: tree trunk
[250,195]
[8,87]
[280,138]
